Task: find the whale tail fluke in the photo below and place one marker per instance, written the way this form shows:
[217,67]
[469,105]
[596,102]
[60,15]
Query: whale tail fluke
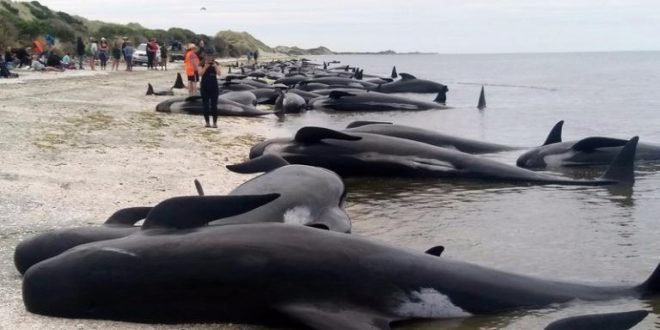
[394,75]
[150,89]
[482,99]
[622,168]
[651,286]
[179,82]
[441,98]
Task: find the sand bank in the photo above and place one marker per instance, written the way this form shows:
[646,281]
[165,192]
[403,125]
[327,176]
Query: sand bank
[78,145]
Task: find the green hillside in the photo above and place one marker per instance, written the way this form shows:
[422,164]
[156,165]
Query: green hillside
[22,22]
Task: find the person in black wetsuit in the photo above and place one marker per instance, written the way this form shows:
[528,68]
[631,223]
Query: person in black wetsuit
[209,88]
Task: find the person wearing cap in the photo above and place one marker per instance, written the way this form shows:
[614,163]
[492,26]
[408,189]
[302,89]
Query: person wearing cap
[191,63]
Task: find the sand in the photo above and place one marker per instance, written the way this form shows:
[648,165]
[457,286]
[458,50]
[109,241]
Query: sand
[76,146]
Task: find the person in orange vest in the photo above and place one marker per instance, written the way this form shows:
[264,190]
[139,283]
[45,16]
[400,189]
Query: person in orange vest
[191,63]
[38,49]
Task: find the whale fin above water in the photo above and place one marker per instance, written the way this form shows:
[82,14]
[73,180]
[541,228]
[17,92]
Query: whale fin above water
[128,216]
[611,321]
[196,211]
[482,99]
[407,76]
[312,134]
[360,123]
[622,168]
[394,75]
[263,163]
[555,134]
[436,250]
[591,143]
[335,317]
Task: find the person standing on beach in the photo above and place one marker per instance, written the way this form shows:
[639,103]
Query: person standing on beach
[103,53]
[163,57]
[128,55]
[256,56]
[80,48]
[94,49]
[152,48]
[116,56]
[209,89]
[191,63]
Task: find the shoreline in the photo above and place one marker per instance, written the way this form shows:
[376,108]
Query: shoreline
[76,148]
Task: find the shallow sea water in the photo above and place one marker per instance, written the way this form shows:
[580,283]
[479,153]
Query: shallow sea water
[582,234]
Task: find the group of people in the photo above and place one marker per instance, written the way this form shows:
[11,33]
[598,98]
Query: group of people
[201,63]
[252,55]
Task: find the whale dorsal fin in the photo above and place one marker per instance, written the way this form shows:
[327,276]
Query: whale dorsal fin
[622,168]
[591,143]
[555,134]
[394,74]
[339,94]
[263,163]
[150,89]
[196,211]
[128,216]
[360,123]
[406,76]
[178,83]
[318,316]
[312,134]
[435,251]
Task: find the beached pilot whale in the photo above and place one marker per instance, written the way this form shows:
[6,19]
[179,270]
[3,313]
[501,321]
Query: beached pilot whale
[607,321]
[122,223]
[279,274]
[366,154]
[588,151]
[427,136]
[372,101]
[193,105]
[410,84]
[309,195]
[289,103]
[46,245]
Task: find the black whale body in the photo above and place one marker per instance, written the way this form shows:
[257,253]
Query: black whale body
[588,151]
[371,101]
[366,154]
[276,273]
[427,136]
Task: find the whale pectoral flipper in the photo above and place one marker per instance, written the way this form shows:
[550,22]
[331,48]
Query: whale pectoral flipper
[193,98]
[555,134]
[128,216]
[263,163]
[312,134]
[196,211]
[589,144]
[619,321]
[335,317]
[360,123]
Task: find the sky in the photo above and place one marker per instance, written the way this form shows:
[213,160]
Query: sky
[440,26]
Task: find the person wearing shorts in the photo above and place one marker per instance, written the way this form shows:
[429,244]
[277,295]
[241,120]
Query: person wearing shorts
[191,64]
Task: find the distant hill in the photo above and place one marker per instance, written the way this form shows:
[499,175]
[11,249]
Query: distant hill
[299,51]
[22,22]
